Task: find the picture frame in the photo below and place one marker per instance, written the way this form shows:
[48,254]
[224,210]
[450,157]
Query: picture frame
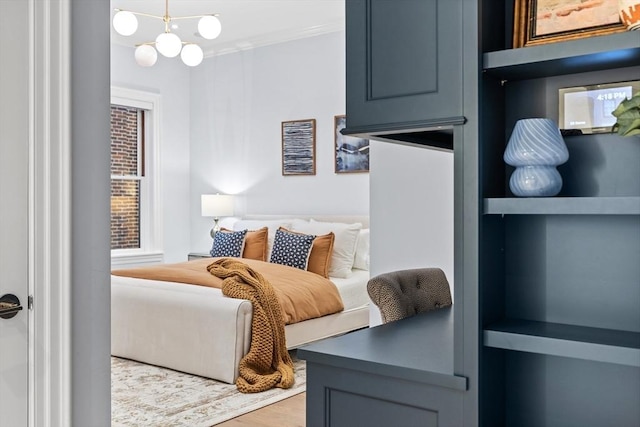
[539,22]
[299,147]
[351,154]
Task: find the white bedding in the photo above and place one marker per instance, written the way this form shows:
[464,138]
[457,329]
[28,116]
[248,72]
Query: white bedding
[353,289]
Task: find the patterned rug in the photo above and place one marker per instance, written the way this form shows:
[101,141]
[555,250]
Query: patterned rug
[146,395]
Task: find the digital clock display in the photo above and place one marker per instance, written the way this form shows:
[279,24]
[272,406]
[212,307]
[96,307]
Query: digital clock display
[589,108]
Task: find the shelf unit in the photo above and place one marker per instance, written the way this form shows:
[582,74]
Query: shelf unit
[582,55]
[563,206]
[596,344]
[559,280]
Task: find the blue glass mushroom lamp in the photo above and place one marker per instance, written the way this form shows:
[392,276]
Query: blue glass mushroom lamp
[535,149]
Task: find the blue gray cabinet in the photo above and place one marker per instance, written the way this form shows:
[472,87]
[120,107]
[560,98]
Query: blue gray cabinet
[396,374]
[404,65]
[546,329]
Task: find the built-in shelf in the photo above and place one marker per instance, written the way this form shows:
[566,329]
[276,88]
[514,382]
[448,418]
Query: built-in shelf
[575,56]
[580,342]
[563,206]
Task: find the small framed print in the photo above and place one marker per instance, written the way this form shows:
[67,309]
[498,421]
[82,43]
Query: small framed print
[299,147]
[351,153]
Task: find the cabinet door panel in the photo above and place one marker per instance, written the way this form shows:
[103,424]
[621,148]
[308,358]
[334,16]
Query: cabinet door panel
[397,66]
[338,397]
[404,63]
[350,409]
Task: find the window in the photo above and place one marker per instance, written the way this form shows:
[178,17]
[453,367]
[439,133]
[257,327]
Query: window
[127,174]
[135,222]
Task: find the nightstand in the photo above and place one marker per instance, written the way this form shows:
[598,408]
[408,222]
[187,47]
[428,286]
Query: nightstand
[198,255]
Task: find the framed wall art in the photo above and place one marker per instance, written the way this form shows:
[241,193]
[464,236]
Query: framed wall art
[547,21]
[299,147]
[351,153]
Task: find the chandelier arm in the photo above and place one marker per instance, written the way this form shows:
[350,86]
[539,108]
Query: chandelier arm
[154,43]
[167,18]
[174,18]
[140,13]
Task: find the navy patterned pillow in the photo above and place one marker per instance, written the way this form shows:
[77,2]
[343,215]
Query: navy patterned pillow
[291,249]
[228,243]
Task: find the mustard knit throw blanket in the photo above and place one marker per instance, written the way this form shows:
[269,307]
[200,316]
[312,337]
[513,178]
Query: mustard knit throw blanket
[268,364]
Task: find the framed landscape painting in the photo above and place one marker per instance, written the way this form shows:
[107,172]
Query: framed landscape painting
[547,21]
[299,147]
[351,153]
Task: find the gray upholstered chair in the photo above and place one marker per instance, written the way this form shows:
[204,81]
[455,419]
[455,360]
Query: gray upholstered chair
[404,293]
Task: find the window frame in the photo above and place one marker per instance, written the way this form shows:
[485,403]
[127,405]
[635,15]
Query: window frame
[151,248]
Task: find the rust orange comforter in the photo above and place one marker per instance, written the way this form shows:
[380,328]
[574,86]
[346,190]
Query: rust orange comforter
[302,295]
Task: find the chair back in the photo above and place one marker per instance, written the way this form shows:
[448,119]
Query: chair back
[404,293]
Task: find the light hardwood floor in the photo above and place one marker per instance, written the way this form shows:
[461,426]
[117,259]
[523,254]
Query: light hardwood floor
[286,413]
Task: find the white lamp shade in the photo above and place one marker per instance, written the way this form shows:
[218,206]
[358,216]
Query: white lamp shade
[191,54]
[209,27]
[168,44]
[216,205]
[125,23]
[146,55]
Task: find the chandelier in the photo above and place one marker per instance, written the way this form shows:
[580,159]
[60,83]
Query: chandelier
[167,43]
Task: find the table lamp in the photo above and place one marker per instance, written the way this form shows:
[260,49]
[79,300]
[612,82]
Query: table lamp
[535,149]
[216,206]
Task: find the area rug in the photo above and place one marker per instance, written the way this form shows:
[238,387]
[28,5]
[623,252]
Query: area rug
[146,395]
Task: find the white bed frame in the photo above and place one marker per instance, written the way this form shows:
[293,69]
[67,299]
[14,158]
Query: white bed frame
[195,329]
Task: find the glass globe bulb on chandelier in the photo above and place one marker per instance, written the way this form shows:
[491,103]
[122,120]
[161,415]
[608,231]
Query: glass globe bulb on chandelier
[167,43]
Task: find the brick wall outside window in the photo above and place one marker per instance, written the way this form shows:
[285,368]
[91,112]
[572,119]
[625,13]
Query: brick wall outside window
[125,189]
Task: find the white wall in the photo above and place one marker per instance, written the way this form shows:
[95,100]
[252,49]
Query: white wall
[222,133]
[411,210]
[169,78]
[238,102]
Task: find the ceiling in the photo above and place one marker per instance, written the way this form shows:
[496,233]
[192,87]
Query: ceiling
[246,24]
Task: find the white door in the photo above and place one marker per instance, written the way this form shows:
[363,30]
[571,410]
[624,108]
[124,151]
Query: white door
[14,213]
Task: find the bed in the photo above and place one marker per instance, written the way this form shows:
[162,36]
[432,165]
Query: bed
[197,330]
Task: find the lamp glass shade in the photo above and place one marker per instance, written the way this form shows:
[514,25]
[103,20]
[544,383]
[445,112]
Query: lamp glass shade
[209,27]
[191,54]
[535,148]
[146,55]
[168,44]
[216,205]
[125,23]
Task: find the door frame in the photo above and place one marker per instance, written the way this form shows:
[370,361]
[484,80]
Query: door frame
[50,215]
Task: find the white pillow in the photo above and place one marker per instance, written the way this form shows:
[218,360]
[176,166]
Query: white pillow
[344,245]
[257,224]
[361,260]
[297,221]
